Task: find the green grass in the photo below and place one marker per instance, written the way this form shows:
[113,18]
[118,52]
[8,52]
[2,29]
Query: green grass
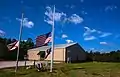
[90,69]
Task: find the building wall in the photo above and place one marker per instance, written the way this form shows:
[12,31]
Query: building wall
[32,55]
[75,53]
[71,53]
[59,55]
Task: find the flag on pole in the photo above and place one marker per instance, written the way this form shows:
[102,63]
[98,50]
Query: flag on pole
[49,38]
[43,40]
[13,45]
[47,52]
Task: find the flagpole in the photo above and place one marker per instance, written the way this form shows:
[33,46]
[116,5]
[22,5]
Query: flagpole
[21,26]
[52,46]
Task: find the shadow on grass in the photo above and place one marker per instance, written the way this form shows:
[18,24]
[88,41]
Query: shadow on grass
[22,73]
[77,68]
[66,70]
[97,74]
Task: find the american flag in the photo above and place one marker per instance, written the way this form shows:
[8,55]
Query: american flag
[13,45]
[43,39]
[49,39]
[47,52]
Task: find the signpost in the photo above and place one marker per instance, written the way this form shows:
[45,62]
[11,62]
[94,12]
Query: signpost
[25,58]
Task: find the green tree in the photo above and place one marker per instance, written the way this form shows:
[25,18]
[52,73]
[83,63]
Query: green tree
[3,49]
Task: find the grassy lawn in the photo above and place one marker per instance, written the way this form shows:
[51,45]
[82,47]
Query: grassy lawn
[89,69]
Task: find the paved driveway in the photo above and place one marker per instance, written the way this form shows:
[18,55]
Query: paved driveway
[5,64]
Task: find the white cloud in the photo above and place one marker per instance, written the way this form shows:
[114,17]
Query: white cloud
[57,16]
[60,16]
[92,49]
[84,12]
[88,31]
[89,38]
[110,8]
[87,35]
[69,41]
[81,1]
[105,34]
[76,19]
[49,22]
[64,36]
[26,22]
[101,50]
[49,12]
[99,32]
[24,40]
[103,43]
[2,33]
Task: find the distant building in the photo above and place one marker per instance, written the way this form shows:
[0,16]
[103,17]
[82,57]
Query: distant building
[63,52]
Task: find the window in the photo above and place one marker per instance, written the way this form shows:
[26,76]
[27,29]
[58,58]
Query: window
[42,54]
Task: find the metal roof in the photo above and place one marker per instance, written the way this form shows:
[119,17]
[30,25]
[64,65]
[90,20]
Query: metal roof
[44,48]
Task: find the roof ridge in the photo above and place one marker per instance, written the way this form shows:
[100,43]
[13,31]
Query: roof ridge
[58,46]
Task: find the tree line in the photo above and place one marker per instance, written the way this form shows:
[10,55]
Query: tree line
[5,54]
[111,56]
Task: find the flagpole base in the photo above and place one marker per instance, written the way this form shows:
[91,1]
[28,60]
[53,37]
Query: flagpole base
[51,71]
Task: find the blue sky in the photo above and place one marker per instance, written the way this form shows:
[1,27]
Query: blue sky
[94,24]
